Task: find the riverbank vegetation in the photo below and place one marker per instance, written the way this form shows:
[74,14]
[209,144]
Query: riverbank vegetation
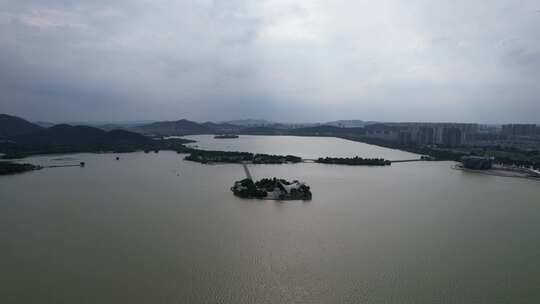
[354,161]
[514,157]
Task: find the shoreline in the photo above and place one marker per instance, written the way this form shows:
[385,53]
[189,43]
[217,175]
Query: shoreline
[501,172]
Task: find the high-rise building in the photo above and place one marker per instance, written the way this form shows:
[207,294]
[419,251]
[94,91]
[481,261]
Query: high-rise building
[452,137]
[426,135]
[420,133]
[405,137]
[519,129]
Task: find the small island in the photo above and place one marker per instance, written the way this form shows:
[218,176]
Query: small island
[354,161]
[274,189]
[225,136]
[208,157]
[13,168]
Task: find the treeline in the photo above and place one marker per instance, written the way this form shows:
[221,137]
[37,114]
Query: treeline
[269,184]
[509,161]
[247,189]
[207,156]
[510,156]
[302,192]
[275,159]
[354,161]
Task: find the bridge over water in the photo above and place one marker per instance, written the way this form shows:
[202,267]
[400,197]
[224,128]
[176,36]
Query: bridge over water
[313,160]
[246,170]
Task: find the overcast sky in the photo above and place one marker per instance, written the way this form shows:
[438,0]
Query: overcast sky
[388,60]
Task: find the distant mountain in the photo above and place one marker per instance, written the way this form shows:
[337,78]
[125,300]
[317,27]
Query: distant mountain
[305,131]
[168,128]
[119,125]
[44,124]
[104,125]
[223,127]
[251,122]
[13,125]
[327,131]
[256,123]
[244,126]
[75,138]
[349,123]
[263,131]
[184,127]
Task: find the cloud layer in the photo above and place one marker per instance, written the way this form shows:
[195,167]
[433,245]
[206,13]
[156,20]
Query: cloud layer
[282,60]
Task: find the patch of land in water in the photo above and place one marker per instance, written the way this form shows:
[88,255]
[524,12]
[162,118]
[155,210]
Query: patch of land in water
[273,189]
[7,168]
[354,161]
[225,136]
[206,157]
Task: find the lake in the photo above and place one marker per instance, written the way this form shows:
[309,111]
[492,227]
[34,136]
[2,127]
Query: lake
[153,228]
[305,147]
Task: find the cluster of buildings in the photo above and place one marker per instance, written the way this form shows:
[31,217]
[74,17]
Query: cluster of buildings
[518,136]
[453,135]
[518,130]
[424,134]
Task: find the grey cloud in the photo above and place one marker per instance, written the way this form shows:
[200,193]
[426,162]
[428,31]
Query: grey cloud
[282,60]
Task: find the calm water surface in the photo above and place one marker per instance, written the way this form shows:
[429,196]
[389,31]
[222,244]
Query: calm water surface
[305,147]
[152,228]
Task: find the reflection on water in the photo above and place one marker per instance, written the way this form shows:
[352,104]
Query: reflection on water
[152,228]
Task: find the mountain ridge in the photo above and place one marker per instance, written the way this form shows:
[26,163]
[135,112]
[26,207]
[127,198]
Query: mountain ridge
[12,125]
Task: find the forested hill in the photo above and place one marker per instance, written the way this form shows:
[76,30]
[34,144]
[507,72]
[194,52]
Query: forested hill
[12,126]
[184,127]
[65,138]
[77,135]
